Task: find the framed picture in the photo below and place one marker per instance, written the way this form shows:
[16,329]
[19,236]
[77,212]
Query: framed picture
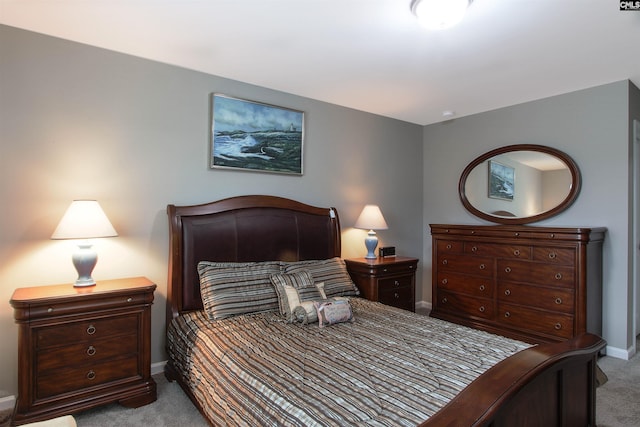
[252,136]
[501,181]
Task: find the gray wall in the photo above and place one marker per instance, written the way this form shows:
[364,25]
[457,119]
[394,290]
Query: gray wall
[593,127]
[82,122]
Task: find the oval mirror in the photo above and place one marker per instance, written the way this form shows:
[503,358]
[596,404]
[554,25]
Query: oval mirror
[519,184]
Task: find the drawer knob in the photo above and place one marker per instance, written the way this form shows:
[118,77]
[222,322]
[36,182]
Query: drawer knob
[507,292]
[552,255]
[558,301]
[558,276]
[445,262]
[482,266]
[474,249]
[516,252]
[50,310]
[507,314]
[91,350]
[91,330]
[91,375]
[396,283]
[444,300]
[482,287]
[129,299]
[558,326]
[384,270]
[396,295]
[449,246]
[507,270]
[445,281]
[481,309]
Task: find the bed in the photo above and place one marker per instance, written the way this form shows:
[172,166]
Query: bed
[260,359]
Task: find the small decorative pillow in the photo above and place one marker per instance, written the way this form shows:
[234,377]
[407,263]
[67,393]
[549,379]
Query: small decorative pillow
[333,311]
[229,288]
[294,291]
[333,272]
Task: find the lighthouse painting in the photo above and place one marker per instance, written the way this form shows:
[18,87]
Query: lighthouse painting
[253,136]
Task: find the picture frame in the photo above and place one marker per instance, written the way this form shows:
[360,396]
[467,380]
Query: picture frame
[254,136]
[501,181]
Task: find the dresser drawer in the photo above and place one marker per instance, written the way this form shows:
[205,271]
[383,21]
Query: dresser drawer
[450,246]
[470,285]
[479,266]
[536,272]
[552,255]
[59,308]
[552,299]
[71,333]
[554,324]
[499,251]
[393,269]
[467,305]
[81,377]
[92,351]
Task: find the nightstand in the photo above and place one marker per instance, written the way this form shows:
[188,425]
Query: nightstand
[391,280]
[83,347]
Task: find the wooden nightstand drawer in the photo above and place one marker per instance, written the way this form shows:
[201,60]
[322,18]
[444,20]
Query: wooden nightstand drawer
[394,283]
[87,352]
[84,376]
[398,297]
[90,329]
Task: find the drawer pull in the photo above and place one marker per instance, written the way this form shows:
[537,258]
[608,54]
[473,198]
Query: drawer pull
[507,314]
[129,299]
[445,281]
[396,283]
[482,287]
[91,350]
[558,276]
[384,270]
[516,234]
[516,252]
[557,326]
[552,255]
[411,267]
[507,270]
[481,309]
[449,246]
[444,300]
[558,301]
[396,295]
[507,292]
[482,266]
[445,262]
[50,310]
[91,330]
[474,249]
[91,375]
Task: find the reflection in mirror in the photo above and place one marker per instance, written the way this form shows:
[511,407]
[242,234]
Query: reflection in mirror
[519,184]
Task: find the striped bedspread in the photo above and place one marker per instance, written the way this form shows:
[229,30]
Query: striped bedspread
[388,368]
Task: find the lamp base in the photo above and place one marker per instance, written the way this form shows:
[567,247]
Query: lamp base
[84,260]
[371,242]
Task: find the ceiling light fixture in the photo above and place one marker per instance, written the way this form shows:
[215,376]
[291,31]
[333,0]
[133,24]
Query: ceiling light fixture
[439,14]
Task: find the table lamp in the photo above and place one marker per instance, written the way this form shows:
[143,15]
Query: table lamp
[371,219]
[84,219]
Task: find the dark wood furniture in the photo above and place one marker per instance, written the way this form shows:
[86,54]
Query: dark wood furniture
[534,387]
[537,284]
[390,280]
[83,347]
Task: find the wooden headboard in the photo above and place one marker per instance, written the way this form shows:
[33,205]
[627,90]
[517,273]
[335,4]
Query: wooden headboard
[242,229]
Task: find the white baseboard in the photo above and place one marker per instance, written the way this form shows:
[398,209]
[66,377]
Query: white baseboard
[7,403]
[158,367]
[423,305]
[620,353]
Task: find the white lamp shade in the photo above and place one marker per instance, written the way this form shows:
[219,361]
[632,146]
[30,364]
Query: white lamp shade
[84,219]
[439,14]
[371,219]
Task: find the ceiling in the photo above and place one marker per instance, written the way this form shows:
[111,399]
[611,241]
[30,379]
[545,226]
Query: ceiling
[370,55]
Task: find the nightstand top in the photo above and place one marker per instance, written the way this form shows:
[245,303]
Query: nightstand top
[383,260]
[23,296]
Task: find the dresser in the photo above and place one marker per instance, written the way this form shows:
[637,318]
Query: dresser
[389,280]
[83,347]
[536,284]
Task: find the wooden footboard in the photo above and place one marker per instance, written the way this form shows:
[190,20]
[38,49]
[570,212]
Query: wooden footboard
[547,385]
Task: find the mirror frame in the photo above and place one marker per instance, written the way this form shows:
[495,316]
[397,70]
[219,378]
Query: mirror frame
[576,182]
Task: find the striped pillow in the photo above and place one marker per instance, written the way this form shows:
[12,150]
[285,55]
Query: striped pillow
[296,291]
[229,288]
[332,271]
